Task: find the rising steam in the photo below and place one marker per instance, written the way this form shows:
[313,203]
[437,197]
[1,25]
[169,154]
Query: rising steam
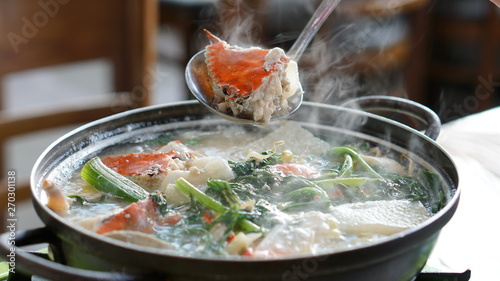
[328,68]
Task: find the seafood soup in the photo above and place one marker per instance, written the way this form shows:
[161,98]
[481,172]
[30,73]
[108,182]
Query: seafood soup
[248,192]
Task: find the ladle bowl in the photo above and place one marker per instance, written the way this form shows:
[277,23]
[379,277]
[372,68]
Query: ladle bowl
[199,82]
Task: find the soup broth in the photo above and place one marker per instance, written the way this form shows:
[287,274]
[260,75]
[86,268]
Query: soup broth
[250,192]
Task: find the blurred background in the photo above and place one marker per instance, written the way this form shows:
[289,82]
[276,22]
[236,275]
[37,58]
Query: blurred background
[67,62]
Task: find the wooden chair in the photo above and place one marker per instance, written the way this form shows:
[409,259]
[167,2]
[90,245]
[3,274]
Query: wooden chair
[52,32]
[187,16]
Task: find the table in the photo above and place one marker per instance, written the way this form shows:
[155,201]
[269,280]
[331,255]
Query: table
[472,238]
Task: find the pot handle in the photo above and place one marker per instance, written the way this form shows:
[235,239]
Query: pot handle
[23,264]
[401,106]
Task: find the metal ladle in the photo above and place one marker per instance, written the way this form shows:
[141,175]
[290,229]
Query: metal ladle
[199,82]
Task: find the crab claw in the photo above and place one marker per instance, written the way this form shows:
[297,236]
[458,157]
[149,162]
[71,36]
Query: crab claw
[212,38]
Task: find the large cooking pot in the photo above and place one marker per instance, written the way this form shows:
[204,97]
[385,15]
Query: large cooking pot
[84,255]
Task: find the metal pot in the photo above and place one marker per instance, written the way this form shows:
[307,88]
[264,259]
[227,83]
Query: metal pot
[83,255]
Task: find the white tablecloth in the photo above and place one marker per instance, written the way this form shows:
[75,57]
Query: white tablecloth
[472,238]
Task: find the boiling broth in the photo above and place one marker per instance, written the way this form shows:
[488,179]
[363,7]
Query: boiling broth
[301,194]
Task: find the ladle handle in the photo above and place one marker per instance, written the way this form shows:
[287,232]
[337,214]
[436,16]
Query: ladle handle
[318,18]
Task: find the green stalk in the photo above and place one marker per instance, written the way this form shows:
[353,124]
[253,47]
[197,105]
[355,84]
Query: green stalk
[248,226]
[327,176]
[347,167]
[357,157]
[104,179]
[229,219]
[207,201]
[346,181]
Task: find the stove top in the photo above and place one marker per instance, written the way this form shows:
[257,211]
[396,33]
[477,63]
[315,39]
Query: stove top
[443,276]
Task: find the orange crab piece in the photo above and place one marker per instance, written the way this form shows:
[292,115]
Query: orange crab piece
[142,216]
[238,70]
[296,169]
[139,163]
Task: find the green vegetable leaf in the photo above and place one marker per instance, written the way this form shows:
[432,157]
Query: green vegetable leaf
[161,203]
[224,189]
[306,198]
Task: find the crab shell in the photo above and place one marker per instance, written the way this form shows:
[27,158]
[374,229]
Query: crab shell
[238,71]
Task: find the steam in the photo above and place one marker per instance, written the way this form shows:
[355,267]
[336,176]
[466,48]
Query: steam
[328,68]
[238,22]
[325,76]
